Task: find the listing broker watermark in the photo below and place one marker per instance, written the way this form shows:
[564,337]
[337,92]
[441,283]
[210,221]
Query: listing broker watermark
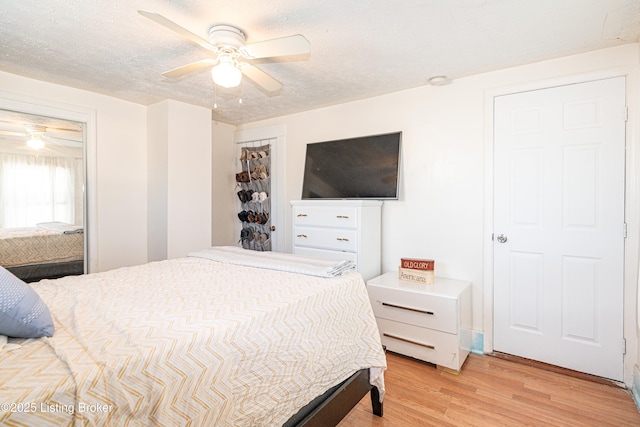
[54,407]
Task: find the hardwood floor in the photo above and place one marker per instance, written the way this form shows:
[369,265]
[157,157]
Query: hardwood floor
[493,392]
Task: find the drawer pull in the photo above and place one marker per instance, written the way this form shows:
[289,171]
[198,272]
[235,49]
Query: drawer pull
[301,214]
[408,308]
[342,216]
[342,239]
[431,347]
[302,235]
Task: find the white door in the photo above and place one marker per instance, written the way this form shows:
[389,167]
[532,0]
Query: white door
[559,225]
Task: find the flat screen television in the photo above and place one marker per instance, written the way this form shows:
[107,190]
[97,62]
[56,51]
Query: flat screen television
[356,168]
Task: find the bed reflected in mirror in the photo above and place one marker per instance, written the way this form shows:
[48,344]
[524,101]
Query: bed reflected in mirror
[41,196]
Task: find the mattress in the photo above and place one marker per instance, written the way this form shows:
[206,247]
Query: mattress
[30,245]
[189,341]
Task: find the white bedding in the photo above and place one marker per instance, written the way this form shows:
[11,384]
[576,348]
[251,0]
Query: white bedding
[60,227]
[276,261]
[189,341]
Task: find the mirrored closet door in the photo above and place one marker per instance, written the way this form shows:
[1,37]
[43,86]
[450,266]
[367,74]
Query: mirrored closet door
[42,182]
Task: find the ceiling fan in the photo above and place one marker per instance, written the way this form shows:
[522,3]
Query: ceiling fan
[230,53]
[37,135]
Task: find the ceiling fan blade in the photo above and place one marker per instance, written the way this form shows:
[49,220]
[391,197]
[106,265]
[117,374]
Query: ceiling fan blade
[76,137]
[62,141]
[290,45]
[9,125]
[12,133]
[167,23]
[185,69]
[260,77]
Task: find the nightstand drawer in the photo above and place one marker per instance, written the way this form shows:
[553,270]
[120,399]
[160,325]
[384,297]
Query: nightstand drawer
[329,216]
[425,344]
[424,310]
[326,238]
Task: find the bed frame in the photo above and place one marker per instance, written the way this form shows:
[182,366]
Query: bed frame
[36,272]
[331,407]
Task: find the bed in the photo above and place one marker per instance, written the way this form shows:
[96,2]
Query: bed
[50,250]
[209,339]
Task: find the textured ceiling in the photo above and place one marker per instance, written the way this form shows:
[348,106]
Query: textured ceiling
[359,48]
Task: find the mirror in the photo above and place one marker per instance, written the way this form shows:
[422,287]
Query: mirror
[42,208]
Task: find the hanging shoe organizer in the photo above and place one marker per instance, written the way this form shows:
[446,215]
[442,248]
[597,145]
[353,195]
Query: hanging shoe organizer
[253,189]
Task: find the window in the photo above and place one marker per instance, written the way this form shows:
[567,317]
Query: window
[37,189]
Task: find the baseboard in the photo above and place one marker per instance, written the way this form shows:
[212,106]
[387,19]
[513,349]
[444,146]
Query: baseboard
[477,342]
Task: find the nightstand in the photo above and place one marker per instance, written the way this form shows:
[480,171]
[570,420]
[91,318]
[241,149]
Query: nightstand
[426,322]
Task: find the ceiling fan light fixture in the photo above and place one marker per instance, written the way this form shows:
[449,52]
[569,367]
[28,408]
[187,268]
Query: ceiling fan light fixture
[226,44]
[226,74]
[35,142]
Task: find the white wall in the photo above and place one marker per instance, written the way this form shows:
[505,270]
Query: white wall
[120,169]
[224,166]
[157,181]
[179,179]
[189,214]
[445,182]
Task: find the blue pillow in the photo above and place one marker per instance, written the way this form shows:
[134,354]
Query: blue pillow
[22,313]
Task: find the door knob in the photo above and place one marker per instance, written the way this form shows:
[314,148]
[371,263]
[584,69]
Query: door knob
[501,238]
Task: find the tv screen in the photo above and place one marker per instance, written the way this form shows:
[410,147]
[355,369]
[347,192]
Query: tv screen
[356,168]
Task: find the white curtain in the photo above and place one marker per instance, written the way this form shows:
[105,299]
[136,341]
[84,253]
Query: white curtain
[37,189]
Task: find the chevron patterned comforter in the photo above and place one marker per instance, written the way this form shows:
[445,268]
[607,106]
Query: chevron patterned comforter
[191,342]
[31,245]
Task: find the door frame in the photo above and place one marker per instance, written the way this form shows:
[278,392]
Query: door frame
[632,202]
[278,179]
[41,107]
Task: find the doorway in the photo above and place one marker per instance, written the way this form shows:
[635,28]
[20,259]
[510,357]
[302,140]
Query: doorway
[558,248]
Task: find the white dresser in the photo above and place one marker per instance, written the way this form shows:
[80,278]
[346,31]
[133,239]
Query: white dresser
[427,322]
[339,229]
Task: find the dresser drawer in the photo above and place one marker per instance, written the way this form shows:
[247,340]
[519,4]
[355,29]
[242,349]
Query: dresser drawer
[425,344]
[326,254]
[420,309]
[326,216]
[326,238]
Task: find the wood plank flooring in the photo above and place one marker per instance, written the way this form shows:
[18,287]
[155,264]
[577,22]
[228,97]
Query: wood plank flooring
[493,392]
